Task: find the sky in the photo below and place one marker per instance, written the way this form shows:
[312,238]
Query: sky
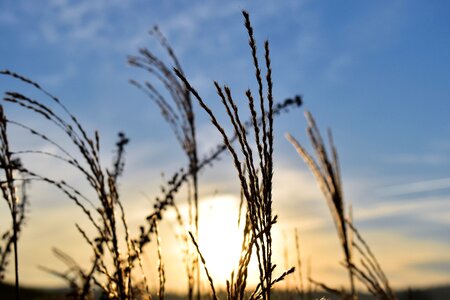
[375,72]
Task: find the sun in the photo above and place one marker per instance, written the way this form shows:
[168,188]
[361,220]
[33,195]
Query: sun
[220,238]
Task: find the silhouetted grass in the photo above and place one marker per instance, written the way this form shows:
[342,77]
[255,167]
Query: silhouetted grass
[256,184]
[16,204]
[116,254]
[104,216]
[327,173]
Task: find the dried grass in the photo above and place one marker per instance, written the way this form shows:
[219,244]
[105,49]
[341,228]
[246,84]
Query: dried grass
[116,254]
[327,174]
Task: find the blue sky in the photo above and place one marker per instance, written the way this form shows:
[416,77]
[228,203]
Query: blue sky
[377,73]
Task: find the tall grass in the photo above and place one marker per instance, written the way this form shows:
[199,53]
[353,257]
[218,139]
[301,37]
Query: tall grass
[116,252]
[256,184]
[106,213]
[326,170]
[16,204]
[179,113]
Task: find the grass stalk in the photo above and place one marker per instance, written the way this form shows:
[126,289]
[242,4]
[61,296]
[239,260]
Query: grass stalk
[179,114]
[103,182]
[10,195]
[327,173]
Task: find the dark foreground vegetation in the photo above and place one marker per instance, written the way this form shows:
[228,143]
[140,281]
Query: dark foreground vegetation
[432,293]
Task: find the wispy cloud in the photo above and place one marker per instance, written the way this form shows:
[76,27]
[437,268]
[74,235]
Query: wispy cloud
[415,187]
[392,209]
[57,79]
[418,159]
[71,23]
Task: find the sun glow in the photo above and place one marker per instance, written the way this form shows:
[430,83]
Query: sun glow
[220,238]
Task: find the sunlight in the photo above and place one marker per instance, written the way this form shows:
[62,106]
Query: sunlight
[219,236]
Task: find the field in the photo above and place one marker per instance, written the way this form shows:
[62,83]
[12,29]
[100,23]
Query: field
[7,292]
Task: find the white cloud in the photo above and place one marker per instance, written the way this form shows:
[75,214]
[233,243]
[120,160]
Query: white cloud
[415,187]
[426,209]
[68,22]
